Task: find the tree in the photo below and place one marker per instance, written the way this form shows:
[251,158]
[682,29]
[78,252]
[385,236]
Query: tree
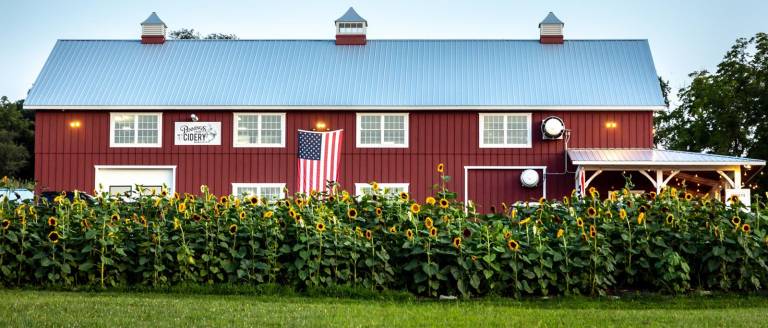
[191,34]
[17,140]
[725,112]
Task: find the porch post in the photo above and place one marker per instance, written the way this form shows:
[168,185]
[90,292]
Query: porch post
[737,178]
[659,180]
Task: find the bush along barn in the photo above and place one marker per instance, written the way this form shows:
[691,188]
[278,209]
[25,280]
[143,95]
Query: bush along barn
[511,120]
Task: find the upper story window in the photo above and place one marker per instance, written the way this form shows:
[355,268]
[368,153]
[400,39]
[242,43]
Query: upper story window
[351,28]
[268,191]
[259,130]
[505,130]
[382,130]
[135,129]
[393,188]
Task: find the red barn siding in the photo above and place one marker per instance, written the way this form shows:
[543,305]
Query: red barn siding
[65,157]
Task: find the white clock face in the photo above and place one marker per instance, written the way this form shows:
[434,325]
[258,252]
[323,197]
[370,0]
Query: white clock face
[553,127]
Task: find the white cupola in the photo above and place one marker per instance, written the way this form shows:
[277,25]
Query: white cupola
[153,30]
[351,29]
[551,30]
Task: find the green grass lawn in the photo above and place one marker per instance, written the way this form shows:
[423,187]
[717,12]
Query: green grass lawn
[121,309]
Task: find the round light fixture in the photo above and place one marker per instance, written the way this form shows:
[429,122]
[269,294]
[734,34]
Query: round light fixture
[529,178]
[552,127]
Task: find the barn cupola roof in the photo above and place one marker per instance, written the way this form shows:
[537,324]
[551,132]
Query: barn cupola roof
[351,28]
[153,30]
[551,30]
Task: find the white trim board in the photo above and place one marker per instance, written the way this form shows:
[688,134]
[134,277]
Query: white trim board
[283,125]
[406,133]
[517,167]
[527,108]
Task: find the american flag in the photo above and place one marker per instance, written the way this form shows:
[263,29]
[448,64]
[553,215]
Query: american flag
[318,159]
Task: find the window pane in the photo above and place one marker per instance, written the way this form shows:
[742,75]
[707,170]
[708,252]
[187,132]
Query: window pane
[517,130]
[147,129]
[493,130]
[247,129]
[370,130]
[272,128]
[270,193]
[250,191]
[124,129]
[119,190]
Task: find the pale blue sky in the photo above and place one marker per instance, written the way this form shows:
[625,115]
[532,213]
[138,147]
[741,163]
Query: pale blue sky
[684,35]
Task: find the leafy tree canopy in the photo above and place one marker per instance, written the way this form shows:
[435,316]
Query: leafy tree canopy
[17,140]
[726,111]
[191,34]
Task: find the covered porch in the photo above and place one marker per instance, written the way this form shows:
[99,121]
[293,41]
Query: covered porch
[656,169]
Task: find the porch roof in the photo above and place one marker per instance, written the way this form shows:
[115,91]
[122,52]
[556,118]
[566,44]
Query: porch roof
[624,157]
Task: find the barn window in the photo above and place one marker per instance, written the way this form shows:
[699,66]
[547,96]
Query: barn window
[269,191]
[382,130]
[259,130]
[505,130]
[351,28]
[393,188]
[135,129]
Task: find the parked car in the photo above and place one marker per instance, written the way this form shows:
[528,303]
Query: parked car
[19,194]
[51,195]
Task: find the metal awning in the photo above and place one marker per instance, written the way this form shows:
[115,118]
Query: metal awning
[653,158]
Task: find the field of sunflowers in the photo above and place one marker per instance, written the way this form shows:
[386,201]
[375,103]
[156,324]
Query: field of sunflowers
[671,243]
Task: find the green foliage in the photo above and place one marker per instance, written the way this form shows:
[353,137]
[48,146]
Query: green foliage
[725,112]
[670,242]
[191,34]
[16,140]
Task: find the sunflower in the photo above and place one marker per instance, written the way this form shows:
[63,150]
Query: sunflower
[374,186]
[446,219]
[54,236]
[6,224]
[378,211]
[440,168]
[352,213]
[433,232]
[392,229]
[176,224]
[254,200]
[652,195]
[368,234]
[182,207]
[233,229]
[268,214]
[746,228]
[688,196]
[430,200]
[507,234]
[670,218]
[114,218]
[299,201]
[528,219]
[415,208]
[320,227]
[736,221]
[592,231]
[409,234]
[467,233]
[404,196]
[613,195]
[428,223]
[560,233]
[224,200]
[565,200]
[580,222]
[513,245]
[292,213]
[242,215]
[584,236]
[144,222]
[474,258]
[444,203]
[457,242]
[52,221]
[591,211]
[623,214]
[641,218]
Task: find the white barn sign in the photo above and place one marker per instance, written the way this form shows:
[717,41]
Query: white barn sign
[197,133]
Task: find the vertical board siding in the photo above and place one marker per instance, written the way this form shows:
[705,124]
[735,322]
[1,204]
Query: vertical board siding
[65,157]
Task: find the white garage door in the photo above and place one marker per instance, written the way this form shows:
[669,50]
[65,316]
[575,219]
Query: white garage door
[121,179]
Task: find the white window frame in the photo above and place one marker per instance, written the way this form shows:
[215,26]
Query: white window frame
[481,126]
[259,185]
[236,144]
[358,127]
[360,186]
[135,144]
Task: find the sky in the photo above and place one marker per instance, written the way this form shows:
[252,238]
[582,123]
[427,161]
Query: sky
[684,36]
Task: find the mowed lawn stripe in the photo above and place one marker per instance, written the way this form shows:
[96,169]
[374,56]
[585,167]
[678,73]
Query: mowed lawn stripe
[41,308]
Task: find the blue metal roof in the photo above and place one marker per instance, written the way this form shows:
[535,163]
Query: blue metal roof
[551,19]
[320,73]
[351,16]
[153,19]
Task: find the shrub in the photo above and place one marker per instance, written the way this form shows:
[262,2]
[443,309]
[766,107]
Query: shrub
[671,242]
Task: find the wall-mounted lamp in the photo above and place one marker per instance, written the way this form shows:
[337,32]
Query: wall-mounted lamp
[320,126]
[74,124]
[194,118]
[610,125]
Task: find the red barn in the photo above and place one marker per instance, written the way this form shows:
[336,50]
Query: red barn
[512,120]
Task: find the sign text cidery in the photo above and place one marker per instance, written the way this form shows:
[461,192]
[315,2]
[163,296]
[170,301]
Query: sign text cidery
[198,133]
